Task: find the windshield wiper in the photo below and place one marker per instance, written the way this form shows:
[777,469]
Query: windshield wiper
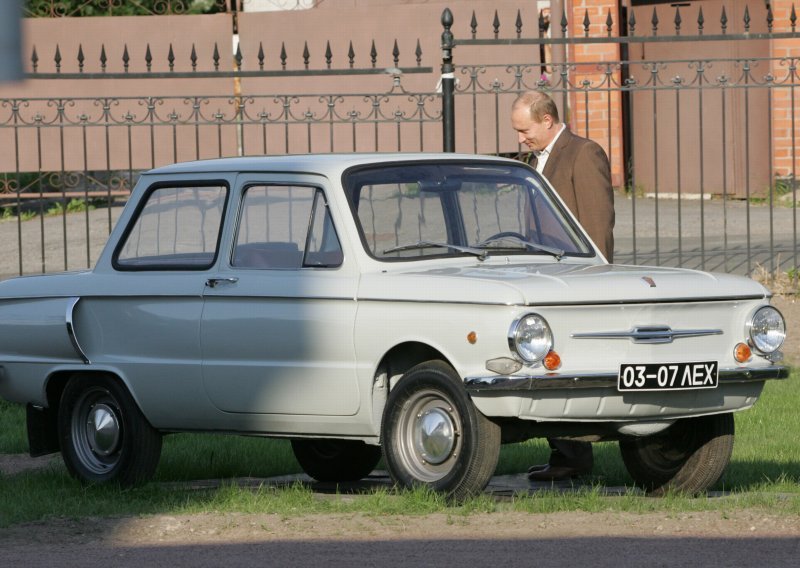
[556,253]
[480,253]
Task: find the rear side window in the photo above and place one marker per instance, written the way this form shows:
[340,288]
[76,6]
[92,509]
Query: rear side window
[285,227]
[177,228]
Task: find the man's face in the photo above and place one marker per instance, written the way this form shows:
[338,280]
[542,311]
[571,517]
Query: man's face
[535,135]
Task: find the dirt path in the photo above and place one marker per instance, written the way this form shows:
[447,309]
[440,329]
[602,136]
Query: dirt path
[743,538]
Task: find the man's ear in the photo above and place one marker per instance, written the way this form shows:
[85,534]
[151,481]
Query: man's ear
[548,121]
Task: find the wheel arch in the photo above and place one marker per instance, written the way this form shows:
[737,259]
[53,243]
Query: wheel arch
[57,381]
[393,365]
[42,423]
[402,357]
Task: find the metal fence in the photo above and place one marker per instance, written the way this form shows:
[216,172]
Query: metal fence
[700,124]
[703,179]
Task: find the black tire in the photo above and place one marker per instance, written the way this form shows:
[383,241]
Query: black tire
[103,435]
[689,457]
[430,399]
[336,460]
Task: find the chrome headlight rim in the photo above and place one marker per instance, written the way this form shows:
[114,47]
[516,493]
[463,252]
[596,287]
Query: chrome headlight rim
[514,342]
[752,338]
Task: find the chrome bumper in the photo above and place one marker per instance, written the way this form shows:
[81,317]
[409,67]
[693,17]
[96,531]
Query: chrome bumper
[602,380]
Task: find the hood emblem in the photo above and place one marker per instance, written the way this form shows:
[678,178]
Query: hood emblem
[649,281]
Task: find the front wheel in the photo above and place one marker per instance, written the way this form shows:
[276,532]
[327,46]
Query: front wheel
[433,434]
[104,436]
[336,460]
[688,457]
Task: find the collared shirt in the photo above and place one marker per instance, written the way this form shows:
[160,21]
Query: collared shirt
[541,157]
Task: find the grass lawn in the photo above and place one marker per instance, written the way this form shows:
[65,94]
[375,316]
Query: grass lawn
[764,473]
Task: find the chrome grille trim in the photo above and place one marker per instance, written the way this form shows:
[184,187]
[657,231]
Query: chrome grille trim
[648,334]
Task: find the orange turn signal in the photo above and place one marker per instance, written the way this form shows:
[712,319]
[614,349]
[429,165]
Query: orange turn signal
[552,361]
[742,353]
[472,337]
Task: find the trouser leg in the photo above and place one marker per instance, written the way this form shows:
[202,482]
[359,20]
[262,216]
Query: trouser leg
[571,454]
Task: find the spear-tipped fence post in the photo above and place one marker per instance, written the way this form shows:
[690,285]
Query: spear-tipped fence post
[448,84]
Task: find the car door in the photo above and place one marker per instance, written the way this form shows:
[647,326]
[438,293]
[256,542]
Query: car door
[277,326]
[141,317]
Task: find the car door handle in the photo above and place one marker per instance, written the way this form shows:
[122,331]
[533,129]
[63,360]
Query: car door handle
[213,282]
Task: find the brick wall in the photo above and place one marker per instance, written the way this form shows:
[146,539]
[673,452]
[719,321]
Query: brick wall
[598,115]
[785,123]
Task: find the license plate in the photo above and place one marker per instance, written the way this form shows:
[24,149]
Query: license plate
[668,376]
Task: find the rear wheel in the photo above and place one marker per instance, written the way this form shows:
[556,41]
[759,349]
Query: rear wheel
[433,434]
[689,457]
[336,460]
[104,436]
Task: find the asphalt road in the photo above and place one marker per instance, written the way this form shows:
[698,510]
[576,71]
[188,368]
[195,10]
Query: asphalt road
[489,550]
[599,540]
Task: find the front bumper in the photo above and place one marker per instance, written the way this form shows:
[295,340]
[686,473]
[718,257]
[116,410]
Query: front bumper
[525,383]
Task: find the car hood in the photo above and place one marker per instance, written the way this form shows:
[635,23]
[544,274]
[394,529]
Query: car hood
[557,283]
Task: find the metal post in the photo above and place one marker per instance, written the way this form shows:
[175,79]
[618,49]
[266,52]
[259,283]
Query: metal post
[448,84]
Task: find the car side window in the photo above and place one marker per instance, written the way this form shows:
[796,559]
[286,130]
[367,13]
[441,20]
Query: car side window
[177,228]
[285,227]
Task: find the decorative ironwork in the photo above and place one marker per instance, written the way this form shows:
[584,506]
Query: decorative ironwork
[93,148]
[657,33]
[193,63]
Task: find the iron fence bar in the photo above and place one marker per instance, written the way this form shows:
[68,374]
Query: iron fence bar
[232,74]
[678,168]
[84,148]
[793,124]
[41,201]
[747,160]
[496,119]
[770,189]
[723,94]
[19,201]
[107,134]
[64,182]
[655,170]
[624,39]
[632,169]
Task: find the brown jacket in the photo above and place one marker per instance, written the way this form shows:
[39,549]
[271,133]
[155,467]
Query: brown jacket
[579,171]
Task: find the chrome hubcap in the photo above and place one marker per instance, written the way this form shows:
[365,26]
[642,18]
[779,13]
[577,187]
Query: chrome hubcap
[102,429]
[435,435]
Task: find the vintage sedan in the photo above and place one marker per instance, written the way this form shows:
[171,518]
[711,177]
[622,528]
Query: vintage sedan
[421,307]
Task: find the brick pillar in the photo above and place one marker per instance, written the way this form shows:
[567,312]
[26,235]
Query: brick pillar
[596,113]
[785,125]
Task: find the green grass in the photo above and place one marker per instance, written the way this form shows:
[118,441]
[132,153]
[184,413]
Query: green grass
[764,474]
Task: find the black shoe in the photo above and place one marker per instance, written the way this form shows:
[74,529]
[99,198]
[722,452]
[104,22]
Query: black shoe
[557,473]
[539,467]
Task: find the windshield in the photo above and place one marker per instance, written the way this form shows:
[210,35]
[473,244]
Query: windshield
[413,210]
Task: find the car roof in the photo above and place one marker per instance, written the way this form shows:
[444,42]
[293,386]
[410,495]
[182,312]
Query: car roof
[320,163]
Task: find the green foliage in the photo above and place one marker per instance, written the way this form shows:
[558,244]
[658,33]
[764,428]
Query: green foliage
[13,438]
[78,8]
[74,206]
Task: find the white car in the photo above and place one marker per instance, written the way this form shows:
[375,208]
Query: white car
[421,307]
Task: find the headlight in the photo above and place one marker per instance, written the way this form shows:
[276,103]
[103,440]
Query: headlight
[530,338]
[767,330]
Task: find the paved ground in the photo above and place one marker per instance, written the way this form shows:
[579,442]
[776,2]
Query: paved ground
[710,235]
